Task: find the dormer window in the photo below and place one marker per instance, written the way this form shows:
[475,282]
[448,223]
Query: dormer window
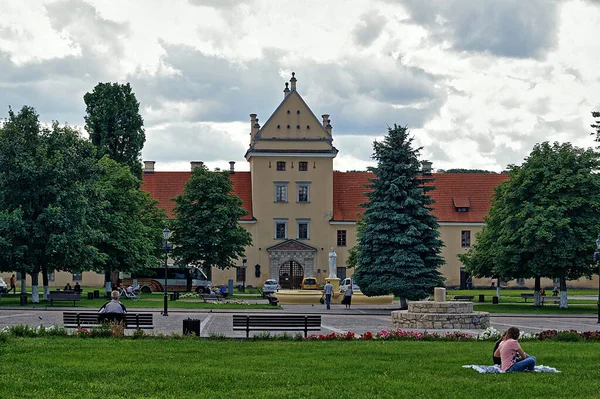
[461,204]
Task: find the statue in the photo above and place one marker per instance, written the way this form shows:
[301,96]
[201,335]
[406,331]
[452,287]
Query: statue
[332,260]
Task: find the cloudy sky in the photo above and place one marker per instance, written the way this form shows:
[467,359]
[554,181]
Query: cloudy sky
[478,82]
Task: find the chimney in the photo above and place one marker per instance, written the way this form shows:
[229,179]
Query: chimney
[293,81]
[231,166]
[426,168]
[328,127]
[286,91]
[254,126]
[149,166]
[325,119]
[196,164]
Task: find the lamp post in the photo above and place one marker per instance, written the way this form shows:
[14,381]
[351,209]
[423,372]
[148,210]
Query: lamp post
[597,260]
[244,261]
[166,248]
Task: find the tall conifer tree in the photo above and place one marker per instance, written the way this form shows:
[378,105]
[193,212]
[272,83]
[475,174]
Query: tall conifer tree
[399,246]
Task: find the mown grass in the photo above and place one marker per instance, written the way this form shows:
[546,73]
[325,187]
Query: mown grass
[157,368]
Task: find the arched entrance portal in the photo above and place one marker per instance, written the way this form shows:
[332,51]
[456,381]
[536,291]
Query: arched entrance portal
[290,275]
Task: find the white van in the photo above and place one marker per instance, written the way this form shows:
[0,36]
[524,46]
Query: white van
[345,283]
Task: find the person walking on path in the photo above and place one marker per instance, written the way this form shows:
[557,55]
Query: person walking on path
[13,287]
[328,291]
[347,299]
[512,356]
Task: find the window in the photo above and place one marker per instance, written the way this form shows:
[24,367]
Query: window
[76,276]
[280,192]
[281,165]
[240,274]
[521,281]
[341,238]
[303,231]
[302,166]
[51,275]
[280,229]
[341,273]
[462,209]
[303,192]
[465,238]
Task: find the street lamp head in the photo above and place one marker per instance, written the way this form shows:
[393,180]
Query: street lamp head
[166,233]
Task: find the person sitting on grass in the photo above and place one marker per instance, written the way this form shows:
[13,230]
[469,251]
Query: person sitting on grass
[497,359]
[512,356]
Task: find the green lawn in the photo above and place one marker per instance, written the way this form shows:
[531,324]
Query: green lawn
[122,368]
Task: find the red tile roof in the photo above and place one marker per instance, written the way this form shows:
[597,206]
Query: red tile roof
[165,186]
[474,189]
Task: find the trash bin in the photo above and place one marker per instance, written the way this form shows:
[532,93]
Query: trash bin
[495,300]
[23,300]
[176,293]
[90,295]
[96,294]
[172,296]
[481,298]
[191,326]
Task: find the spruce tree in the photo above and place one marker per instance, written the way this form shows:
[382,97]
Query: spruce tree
[398,240]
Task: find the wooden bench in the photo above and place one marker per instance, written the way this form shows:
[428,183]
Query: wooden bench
[211,297]
[464,297]
[527,296]
[90,320]
[63,296]
[263,322]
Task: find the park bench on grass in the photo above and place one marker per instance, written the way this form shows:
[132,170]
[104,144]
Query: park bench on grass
[263,322]
[211,297]
[63,296]
[464,297]
[543,298]
[93,319]
[527,296]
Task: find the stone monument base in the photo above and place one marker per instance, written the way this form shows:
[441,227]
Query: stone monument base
[440,315]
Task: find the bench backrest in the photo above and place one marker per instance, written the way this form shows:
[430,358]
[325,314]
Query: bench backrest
[63,295]
[276,320]
[131,319]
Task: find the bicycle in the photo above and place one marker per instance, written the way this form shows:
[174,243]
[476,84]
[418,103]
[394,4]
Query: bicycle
[133,294]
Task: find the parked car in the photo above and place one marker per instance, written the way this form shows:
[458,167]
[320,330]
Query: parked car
[346,283]
[309,283]
[3,287]
[270,287]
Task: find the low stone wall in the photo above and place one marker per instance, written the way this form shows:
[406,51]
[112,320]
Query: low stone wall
[440,315]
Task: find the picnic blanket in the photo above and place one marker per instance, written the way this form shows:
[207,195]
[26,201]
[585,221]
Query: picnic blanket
[497,369]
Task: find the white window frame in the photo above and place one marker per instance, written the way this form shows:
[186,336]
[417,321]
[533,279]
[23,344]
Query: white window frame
[465,239]
[279,185]
[307,223]
[300,185]
[277,222]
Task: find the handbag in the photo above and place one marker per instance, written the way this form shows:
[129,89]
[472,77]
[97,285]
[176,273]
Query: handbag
[322,300]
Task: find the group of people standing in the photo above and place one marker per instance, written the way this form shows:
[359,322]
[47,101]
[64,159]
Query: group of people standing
[328,292]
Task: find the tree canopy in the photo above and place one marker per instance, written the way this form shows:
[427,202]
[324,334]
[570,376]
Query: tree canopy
[596,125]
[398,239]
[206,229]
[543,220]
[46,176]
[115,125]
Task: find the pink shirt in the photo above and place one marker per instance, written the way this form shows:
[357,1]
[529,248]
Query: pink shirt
[508,351]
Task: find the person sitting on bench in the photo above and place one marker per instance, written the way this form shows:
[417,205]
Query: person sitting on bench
[113,306]
[68,287]
[77,288]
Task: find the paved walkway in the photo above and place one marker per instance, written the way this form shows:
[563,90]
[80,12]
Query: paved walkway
[359,319]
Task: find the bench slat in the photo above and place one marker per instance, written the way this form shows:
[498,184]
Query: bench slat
[88,320]
[277,323]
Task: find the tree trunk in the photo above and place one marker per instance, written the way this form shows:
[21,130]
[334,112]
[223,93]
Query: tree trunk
[498,289]
[537,301]
[108,282]
[23,283]
[45,282]
[35,295]
[563,293]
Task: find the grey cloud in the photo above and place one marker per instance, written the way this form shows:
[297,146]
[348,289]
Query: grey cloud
[189,142]
[369,28]
[436,152]
[572,70]
[220,3]
[509,28]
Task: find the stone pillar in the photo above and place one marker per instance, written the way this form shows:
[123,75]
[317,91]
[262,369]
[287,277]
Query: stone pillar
[439,294]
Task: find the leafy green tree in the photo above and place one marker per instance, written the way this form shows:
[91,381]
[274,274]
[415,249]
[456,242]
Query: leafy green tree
[129,221]
[206,231]
[459,170]
[115,125]
[45,180]
[398,240]
[543,220]
[596,125]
